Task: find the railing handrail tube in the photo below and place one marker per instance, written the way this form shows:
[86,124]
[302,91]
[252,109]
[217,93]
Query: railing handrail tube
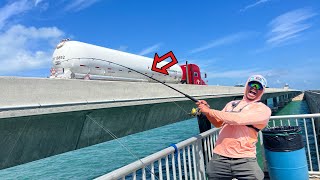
[132,167]
[123,171]
[295,116]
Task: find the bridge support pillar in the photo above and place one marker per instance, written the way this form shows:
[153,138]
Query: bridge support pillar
[275,102]
[265,102]
[274,109]
[281,101]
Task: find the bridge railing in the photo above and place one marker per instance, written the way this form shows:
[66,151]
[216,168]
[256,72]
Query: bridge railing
[187,159]
[310,137]
[182,160]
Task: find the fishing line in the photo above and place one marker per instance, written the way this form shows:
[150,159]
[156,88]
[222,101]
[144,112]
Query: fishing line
[186,95]
[113,135]
[14,145]
[180,107]
[117,139]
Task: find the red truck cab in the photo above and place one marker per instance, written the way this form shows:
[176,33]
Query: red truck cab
[193,76]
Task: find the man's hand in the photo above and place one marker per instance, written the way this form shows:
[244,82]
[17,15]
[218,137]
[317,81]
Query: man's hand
[203,107]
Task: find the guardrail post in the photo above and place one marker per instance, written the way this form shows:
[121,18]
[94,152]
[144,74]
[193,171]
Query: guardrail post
[265,165]
[200,159]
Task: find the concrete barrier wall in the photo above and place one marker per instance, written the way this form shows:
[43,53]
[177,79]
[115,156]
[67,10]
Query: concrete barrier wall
[313,100]
[42,96]
[33,91]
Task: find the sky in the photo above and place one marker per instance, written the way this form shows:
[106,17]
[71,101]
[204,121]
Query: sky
[230,40]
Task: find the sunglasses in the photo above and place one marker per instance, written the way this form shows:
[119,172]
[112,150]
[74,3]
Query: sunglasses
[255,85]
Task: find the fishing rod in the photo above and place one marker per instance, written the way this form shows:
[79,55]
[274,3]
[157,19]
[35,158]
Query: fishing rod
[113,135]
[193,112]
[186,95]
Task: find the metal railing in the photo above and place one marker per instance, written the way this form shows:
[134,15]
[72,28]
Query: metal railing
[307,122]
[187,159]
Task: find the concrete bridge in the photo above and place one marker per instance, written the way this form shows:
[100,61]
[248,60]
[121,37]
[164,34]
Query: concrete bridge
[44,117]
[313,100]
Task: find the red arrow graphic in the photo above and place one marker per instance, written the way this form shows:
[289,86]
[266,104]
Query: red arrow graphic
[164,68]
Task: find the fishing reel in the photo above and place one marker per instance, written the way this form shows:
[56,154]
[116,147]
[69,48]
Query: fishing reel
[195,112]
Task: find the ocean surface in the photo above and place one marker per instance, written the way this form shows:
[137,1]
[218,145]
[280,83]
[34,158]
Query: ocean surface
[97,160]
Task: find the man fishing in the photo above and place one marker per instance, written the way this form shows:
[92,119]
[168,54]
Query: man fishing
[240,121]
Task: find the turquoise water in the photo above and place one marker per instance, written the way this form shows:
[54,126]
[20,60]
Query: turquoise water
[294,107]
[94,161]
[97,160]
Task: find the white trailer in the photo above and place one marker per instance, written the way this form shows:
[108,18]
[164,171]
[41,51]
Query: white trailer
[74,59]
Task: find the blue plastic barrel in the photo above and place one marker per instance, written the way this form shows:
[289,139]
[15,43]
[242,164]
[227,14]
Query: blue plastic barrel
[285,153]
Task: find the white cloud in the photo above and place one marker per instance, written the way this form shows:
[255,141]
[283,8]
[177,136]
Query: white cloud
[12,9]
[220,42]
[41,5]
[289,26]
[204,62]
[306,82]
[232,77]
[78,5]
[244,73]
[26,48]
[278,81]
[150,49]
[259,2]
[296,77]
[36,2]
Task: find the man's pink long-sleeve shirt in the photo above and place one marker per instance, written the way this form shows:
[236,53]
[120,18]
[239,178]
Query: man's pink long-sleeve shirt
[236,140]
